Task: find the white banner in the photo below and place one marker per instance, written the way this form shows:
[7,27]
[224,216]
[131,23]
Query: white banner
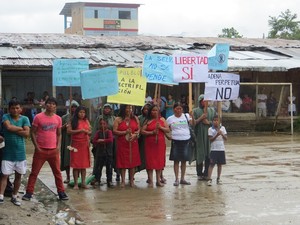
[190,68]
[222,86]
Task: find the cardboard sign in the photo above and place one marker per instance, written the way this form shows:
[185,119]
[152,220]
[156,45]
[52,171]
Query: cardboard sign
[218,57]
[99,82]
[190,68]
[222,86]
[132,87]
[158,68]
[66,72]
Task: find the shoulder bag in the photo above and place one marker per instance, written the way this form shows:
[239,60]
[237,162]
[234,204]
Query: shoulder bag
[192,143]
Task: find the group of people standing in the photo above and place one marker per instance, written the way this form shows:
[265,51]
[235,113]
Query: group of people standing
[45,133]
[123,142]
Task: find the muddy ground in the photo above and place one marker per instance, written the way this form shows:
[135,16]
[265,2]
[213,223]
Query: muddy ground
[260,186]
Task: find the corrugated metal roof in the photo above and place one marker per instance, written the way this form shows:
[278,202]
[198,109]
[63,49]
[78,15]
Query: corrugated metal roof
[39,50]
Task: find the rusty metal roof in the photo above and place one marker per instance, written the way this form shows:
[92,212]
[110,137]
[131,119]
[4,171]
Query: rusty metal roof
[39,50]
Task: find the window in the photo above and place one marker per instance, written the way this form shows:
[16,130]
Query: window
[125,15]
[96,14]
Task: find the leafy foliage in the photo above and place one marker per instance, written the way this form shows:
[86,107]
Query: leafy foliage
[230,33]
[284,26]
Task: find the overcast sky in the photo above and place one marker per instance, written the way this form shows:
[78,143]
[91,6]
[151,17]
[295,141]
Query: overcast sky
[156,17]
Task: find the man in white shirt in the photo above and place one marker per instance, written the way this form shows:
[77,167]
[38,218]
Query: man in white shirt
[261,105]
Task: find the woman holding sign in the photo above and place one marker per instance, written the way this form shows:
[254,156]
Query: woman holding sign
[179,125]
[127,128]
[203,115]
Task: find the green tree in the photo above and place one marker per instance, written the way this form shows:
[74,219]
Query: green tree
[230,33]
[284,26]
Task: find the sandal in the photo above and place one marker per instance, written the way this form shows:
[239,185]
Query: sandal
[176,183]
[163,180]
[84,187]
[159,184]
[150,184]
[185,182]
[93,182]
[66,181]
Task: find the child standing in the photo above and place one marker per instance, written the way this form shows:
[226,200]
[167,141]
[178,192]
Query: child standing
[80,130]
[217,134]
[15,129]
[103,143]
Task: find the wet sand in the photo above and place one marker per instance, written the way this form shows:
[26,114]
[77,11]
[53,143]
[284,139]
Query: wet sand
[260,186]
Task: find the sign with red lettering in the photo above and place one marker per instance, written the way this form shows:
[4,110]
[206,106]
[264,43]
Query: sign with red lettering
[112,24]
[190,68]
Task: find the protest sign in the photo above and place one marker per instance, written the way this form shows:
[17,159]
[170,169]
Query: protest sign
[222,86]
[132,87]
[158,68]
[218,57]
[99,82]
[66,72]
[190,68]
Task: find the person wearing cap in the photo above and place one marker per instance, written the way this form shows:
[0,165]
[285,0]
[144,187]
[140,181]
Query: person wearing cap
[203,116]
[65,142]
[107,114]
[71,101]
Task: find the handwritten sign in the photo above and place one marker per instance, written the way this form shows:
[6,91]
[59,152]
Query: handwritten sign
[218,57]
[132,87]
[99,82]
[158,68]
[190,68]
[66,72]
[222,86]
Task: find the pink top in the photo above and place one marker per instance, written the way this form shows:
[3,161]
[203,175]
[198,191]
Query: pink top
[46,135]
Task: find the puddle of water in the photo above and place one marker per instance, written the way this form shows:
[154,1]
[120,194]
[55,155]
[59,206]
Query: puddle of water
[48,201]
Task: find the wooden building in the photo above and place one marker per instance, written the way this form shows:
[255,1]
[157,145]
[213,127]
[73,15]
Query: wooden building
[26,64]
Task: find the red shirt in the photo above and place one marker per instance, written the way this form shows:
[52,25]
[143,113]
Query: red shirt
[46,135]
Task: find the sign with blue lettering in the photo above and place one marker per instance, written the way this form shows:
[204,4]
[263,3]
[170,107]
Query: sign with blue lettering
[99,82]
[158,68]
[218,57]
[66,72]
[222,86]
